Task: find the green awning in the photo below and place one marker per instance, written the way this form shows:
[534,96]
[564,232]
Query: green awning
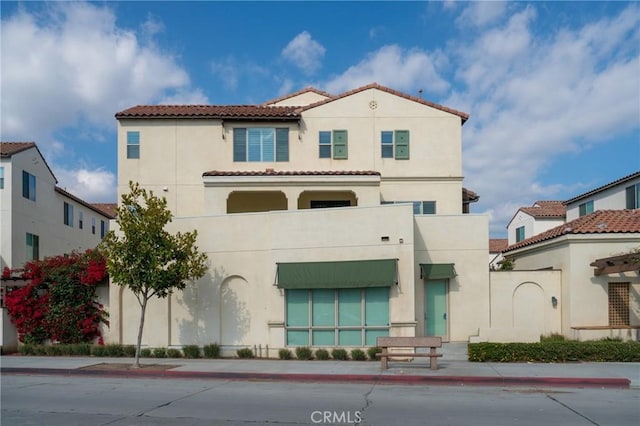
[343,274]
[437,271]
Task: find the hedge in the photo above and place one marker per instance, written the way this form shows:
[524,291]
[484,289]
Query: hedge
[555,351]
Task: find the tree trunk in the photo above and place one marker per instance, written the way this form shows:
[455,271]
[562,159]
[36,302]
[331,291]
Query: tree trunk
[143,308]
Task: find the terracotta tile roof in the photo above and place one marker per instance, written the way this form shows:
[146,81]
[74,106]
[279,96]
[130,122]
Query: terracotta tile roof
[299,92]
[603,187]
[546,209]
[496,245]
[271,172]
[7,149]
[598,222]
[84,203]
[238,112]
[109,209]
[464,116]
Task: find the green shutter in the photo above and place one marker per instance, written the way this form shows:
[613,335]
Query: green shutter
[282,144]
[437,271]
[239,144]
[340,144]
[402,144]
[342,274]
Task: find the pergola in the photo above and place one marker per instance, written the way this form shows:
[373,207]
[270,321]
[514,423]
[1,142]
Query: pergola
[614,264]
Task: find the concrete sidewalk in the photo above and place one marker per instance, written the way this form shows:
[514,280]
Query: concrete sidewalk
[452,372]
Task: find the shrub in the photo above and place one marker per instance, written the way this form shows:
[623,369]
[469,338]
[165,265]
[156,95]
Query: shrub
[52,350]
[285,353]
[113,350]
[98,350]
[358,355]
[82,349]
[371,352]
[322,354]
[191,351]
[174,353]
[128,351]
[39,350]
[340,354]
[560,351]
[304,353]
[554,337]
[159,353]
[211,351]
[245,353]
[145,353]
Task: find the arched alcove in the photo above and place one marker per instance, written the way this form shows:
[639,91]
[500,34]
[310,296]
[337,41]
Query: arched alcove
[235,318]
[528,306]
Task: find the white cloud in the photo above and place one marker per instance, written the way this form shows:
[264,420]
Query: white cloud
[93,186]
[532,101]
[481,13]
[68,65]
[401,69]
[304,52]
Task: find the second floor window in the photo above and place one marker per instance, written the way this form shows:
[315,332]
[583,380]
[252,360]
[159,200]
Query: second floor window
[80,220]
[585,208]
[633,196]
[33,247]
[265,144]
[103,228]
[519,234]
[419,207]
[333,144]
[68,214]
[133,144]
[93,225]
[1,177]
[28,186]
[395,144]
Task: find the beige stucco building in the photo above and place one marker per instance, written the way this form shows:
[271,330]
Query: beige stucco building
[38,218]
[327,220]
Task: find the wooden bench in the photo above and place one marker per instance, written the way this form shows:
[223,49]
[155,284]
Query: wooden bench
[407,346]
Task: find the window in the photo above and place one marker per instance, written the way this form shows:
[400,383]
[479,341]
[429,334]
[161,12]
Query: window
[260,144]
[103,228]
[337,317]
[585,208]
[80,220]
[633,196]
[93,225]
[33,247]
[419,207]
[28,186]
[133,144]
[618,304]
[519,234]
[335,141]
[395,144]
[68,214]
[1,177]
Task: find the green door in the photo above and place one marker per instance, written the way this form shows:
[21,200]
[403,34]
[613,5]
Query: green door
[436,308]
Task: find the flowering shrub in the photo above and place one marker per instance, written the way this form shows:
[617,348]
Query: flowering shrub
[59,300]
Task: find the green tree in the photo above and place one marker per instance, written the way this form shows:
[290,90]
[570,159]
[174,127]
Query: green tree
[145,258]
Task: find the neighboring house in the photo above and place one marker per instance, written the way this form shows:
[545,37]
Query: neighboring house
[530,221]
[328,221]
[623,193]
[598,256]
[496,245]
[37,218]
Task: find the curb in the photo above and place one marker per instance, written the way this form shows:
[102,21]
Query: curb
[576,382]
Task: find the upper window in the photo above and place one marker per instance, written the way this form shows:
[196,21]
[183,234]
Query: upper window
[133,144]
[33,247]
[633,196]
[68,214]
[419,207]
[80,220]
[519,234]
[266,144]
[1,177]
[103,228]
[334,142]
[93,225]
[395,144]
[585,208]
[28,186]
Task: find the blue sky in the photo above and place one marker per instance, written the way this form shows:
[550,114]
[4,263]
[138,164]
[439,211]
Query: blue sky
[552,88]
